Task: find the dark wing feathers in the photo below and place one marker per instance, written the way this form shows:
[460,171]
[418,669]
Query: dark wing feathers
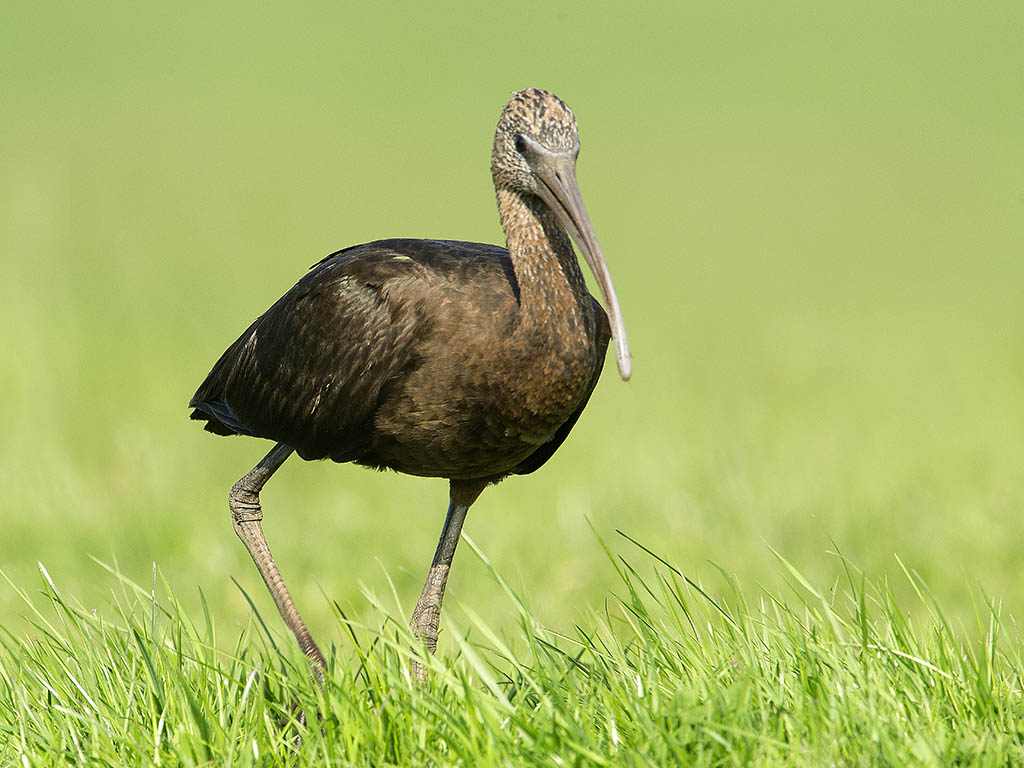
[309,371]
[220,419]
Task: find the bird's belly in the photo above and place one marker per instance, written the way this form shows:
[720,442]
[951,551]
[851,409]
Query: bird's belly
[471,431]
[460,444]
[468,462]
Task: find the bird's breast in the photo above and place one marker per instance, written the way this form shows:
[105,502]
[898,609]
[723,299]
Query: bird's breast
[496,388]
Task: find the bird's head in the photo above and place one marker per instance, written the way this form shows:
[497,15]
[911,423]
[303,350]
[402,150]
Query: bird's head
[535,148]
[533,123]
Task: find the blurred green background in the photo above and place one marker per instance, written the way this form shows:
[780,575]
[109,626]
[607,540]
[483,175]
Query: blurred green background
[814,214]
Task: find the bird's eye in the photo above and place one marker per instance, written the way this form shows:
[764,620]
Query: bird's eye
[520,143]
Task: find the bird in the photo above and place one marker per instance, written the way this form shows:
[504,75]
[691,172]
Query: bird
[434,358]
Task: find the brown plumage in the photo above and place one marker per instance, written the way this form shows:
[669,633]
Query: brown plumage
[430,357]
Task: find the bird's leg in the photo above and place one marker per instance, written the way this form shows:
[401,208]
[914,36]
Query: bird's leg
[247,514]
[427,614]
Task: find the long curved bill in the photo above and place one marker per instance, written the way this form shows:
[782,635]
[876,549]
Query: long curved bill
[557,172]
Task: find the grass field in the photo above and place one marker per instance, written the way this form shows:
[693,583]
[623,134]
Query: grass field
[814,217]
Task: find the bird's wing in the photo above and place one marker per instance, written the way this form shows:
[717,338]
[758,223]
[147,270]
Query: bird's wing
[539,457]
[310,371]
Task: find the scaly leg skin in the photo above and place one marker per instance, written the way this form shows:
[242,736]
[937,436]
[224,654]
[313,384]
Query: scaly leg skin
[427,615]
[247,514]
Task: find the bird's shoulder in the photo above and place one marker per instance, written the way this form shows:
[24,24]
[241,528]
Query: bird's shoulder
[405,281]
[384,261]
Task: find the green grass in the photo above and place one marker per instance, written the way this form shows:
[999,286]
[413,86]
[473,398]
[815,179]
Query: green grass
[667,672]
[813,214]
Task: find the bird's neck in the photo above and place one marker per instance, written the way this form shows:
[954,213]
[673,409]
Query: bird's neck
[545,265]
[551,346]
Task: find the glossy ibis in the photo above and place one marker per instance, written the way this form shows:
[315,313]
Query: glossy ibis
[431,357]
